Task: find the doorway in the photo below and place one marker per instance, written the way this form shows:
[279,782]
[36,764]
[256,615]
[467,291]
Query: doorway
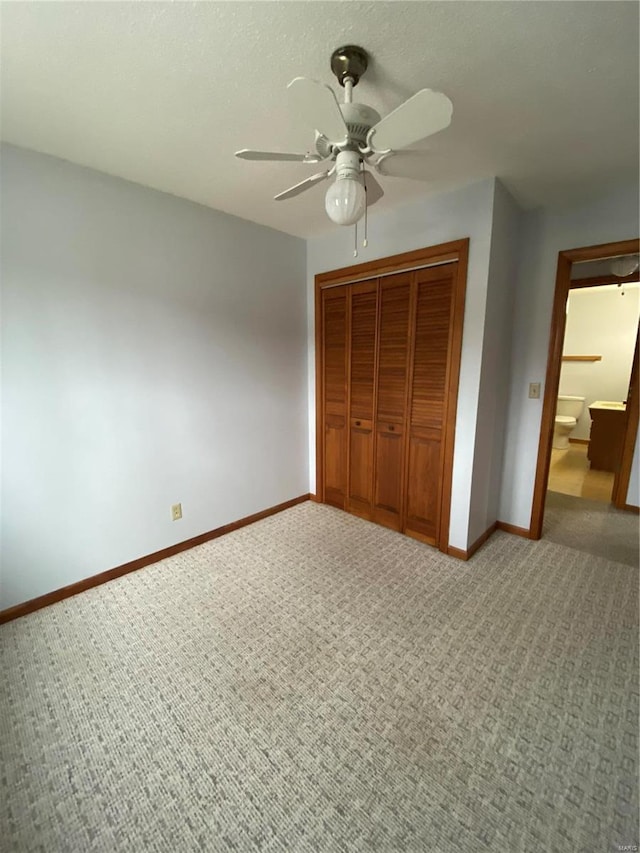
[595,435]
[600,338]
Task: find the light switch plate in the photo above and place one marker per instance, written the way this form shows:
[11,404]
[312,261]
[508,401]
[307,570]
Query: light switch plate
[534,390]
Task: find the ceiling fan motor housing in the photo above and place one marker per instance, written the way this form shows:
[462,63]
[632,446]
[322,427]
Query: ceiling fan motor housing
[359,119]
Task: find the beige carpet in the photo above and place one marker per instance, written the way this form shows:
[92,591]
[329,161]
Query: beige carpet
[316,683]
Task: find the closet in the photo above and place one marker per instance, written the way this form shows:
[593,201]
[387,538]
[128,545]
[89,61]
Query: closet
[388,355]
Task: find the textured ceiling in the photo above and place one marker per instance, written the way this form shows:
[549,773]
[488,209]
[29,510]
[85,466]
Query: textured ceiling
[545,94]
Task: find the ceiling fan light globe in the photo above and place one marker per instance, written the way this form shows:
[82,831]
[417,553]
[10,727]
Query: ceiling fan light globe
[622,267]
[345,201]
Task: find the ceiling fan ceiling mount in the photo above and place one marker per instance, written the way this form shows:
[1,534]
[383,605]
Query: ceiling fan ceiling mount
[349,61]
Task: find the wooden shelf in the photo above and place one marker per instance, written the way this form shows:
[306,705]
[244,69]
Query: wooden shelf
[582,358]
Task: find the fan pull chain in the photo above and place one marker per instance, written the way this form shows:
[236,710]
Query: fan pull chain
[366,208]
[355,243]
[365,242]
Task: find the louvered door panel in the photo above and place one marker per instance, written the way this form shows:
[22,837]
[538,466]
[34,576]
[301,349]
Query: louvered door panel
[393,347]
[393,351]
[363,348]
[334,384]
[428,382]
[360,467]
[363,317]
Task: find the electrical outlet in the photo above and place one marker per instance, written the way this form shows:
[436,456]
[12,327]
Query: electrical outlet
[176,512]
[534,390]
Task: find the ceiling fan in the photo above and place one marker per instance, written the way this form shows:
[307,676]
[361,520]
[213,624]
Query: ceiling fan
[353,135]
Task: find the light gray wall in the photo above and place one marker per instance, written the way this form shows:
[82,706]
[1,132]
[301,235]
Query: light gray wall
[154,351]
[496,364]
[545,233]
[438,219]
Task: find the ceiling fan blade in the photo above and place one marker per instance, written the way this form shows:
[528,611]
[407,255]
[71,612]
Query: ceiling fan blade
[423,114]
[318,106]
[417,165]
[248,154]
[303,185]
[373,188]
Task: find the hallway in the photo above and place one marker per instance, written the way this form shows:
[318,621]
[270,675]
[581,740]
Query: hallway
[592,527]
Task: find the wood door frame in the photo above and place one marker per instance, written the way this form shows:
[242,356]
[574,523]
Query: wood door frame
[456,251]
[623,474]
[552,381]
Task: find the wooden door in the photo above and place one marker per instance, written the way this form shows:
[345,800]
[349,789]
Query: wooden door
[431,337]
[334,390]
[388,347]
[393,352]
[363,298]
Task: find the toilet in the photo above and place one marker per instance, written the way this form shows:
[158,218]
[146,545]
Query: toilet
[568,410]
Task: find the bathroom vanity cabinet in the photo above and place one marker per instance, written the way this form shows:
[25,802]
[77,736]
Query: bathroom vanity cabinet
[608,422]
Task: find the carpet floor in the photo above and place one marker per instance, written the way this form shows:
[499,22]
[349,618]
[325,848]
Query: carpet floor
[594,527]
[317,683]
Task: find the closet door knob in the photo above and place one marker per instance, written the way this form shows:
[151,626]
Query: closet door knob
[391,427]
[357,423]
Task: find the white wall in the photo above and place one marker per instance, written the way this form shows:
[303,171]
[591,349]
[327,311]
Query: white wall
[545,233]
[599,322]
[154,351]
[438,219]
[496,368]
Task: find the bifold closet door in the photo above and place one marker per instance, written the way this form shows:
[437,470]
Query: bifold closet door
[385,360]
[391,399]
[362,355]
[431,334]
[334,386]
